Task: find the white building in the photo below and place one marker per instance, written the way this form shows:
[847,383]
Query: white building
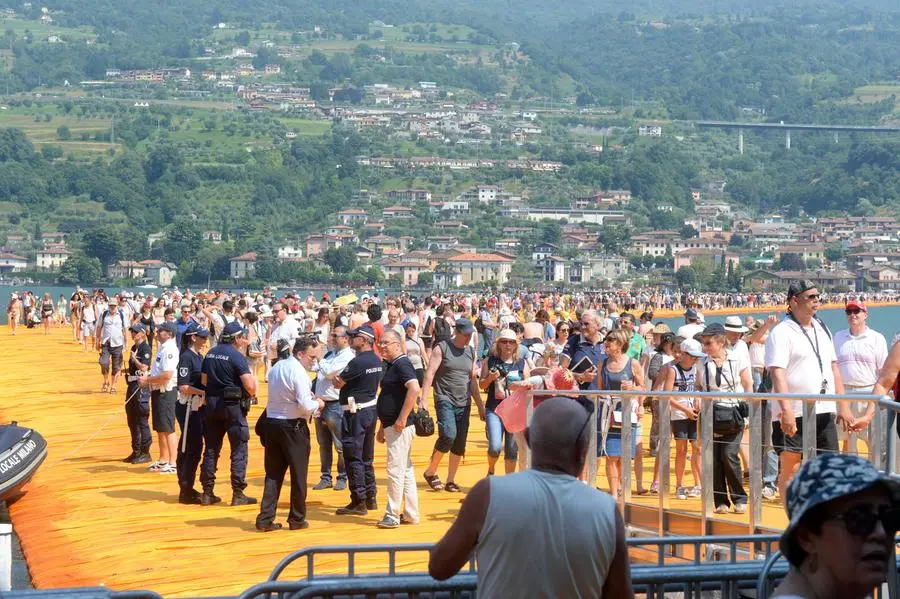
[51,258]
[243,266]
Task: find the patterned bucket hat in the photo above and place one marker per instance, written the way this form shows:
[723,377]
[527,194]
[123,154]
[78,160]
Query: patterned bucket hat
[826,478]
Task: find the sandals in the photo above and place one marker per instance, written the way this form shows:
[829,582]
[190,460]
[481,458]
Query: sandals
[105,388]
[452,487]
[434,481]
[654,488]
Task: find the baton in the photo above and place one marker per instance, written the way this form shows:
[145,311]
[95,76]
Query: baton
[187,420]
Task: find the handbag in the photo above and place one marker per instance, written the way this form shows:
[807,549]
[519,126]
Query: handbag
[424,423]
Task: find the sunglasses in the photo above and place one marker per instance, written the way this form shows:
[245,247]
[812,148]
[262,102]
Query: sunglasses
[814,296]
[564,330]
[852,311]
[860,521]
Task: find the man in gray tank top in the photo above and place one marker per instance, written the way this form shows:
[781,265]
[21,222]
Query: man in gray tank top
[541,532]
[451,372]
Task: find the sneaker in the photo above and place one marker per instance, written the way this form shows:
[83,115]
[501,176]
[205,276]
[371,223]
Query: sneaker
[371,503]
[352,509]
[388,522]
[768,493]
[238,498]
[722,509]
[405,520]
[694,492]
[322,485]
[168,469]
[269,527]
[156,466]
[130,459]
[299,525]
[681,493]
[740,508]
[142,458]
[341,484]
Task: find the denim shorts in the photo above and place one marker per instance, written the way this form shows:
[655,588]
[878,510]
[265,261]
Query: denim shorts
[613,447]
[453,427]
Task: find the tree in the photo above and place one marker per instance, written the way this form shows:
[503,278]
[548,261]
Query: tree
[63,133]
[182,240]
[79,270]
[341,260]
[104,243]
[686,277]
[689,232]
[791,261]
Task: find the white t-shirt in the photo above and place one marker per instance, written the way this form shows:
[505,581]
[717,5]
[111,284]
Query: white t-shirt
[166,361]
[686,381]
[860,358]
[689,330]
[741,353]
[787,347]
[757,355]
[726,378]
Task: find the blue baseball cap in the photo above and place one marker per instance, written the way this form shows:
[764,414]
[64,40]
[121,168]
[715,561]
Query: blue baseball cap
[464,326]
[691,314]
[138,328]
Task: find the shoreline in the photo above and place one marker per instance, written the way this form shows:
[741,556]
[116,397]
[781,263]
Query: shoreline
[779,309]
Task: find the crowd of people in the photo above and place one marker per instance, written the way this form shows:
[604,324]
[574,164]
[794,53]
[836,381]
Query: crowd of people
[362,370]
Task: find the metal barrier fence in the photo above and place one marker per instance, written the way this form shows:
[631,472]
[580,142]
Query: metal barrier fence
[882,445]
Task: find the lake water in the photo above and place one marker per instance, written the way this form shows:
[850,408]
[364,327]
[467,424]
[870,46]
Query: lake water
[885,320]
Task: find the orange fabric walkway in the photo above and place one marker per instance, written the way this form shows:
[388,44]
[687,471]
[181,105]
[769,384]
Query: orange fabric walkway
[88,519]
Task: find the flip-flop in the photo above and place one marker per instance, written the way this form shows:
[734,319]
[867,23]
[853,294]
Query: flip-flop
[434,481]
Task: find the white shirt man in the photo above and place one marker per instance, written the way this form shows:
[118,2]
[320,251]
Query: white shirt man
[112,327]
[692,325]
[286,328]
[328,367]
[861,351]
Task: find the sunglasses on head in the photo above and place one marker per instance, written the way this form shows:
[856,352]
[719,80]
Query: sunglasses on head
[860,521]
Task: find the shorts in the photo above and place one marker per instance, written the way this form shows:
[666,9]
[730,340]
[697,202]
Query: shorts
[684,430]
[87,329]
[110,356]
[453,427]
[826,435]
[162,410]
[613,448]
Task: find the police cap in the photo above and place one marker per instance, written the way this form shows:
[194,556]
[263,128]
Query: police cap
[363,331]
[233,329]
[168,327]
[195,329]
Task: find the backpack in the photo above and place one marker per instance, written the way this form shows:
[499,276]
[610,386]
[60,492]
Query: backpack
[428,329]
[442,330]
[106,313]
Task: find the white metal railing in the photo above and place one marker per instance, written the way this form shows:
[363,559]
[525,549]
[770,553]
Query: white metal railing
[882,442]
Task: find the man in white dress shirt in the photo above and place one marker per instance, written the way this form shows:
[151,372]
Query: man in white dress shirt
[291,405]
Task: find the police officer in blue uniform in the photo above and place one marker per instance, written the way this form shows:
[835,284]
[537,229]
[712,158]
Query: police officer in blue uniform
[358,384]
[137,398]
[229,388]
[190,412]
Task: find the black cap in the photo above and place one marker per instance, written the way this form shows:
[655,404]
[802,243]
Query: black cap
[138,328]
[801,286]
[714,328]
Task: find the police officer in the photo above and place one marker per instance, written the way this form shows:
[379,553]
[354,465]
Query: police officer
[358,384]
[229,386]
[137,398]
[190,412]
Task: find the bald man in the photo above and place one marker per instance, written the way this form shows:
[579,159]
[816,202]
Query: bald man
[571,527]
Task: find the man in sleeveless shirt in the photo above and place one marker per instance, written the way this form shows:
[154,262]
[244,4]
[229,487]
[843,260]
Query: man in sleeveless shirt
[578,529]
[451,372]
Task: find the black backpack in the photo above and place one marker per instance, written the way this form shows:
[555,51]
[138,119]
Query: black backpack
[442,330]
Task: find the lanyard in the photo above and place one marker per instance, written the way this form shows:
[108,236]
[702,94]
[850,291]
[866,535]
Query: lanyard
[815,346]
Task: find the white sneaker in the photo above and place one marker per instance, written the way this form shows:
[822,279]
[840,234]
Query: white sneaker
[156,466]
[722,509]
[740,508]
[694,492]
[768,493]
[168,469]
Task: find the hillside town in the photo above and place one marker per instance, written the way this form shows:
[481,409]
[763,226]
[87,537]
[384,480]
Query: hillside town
[840,253]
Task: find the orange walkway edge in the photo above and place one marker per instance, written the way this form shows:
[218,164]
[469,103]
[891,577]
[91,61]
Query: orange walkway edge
[88,519]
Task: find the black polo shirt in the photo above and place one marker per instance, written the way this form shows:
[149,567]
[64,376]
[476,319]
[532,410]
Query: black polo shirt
[361,376]
[142,354]
[393,391]
[223,366]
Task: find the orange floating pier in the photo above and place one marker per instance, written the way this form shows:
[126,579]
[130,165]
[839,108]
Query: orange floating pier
[89,519]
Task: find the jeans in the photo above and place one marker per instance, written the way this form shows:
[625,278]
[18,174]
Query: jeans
[727,477]
[328,435]
[401,475]
[499,438]
[769,457]
[453,427]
